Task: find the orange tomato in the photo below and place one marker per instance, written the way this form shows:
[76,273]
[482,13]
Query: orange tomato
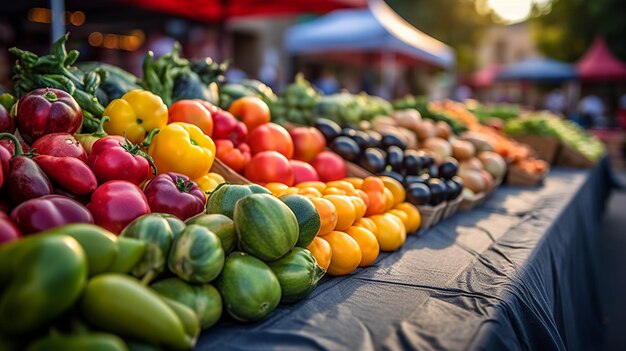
[251,110]
[346,213]
[322,252]
[368,243]
[375,190]
[396,188]
[413,215]
[368,224]
[328,214]
[192,112]
[389,201]
[346,253]
[391,232]
[359,206]
[377,203]
[277,189]
[356,182]
[373,184]
[309,192]
[343,185]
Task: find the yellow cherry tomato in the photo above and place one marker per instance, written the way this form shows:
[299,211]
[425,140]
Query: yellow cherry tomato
[346,253]
[346,213]
[328,214]
[368,243]
[413,215]
[322,252]
[396,188]
[391,231]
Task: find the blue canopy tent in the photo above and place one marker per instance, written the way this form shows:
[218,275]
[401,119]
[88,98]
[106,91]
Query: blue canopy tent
[376,29]
[540,70]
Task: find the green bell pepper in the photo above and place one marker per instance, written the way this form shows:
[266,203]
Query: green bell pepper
[120,304]
[196,256]
[40,278]
[156,232]
[91,342]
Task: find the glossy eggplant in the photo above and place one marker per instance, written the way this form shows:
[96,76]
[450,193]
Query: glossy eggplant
[346,148]
[373,160]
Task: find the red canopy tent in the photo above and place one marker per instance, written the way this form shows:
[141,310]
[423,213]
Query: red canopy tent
[599,64]
[221,10]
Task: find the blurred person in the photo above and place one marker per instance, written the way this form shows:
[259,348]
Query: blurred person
[235,75]
[555,101]
[327,83]
[591,109]
[462,93]
[621,112]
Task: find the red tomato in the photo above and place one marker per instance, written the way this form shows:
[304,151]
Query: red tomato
[330,166]
[251,110]
[303,172]
[269,166]
[271,137]
[308,142]
[193,112]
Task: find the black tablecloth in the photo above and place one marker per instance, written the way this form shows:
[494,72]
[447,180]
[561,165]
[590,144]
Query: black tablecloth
[518,273]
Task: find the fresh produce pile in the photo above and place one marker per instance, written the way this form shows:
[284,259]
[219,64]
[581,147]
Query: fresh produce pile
[302,104]
[487,138]
[115,233]
[568,132]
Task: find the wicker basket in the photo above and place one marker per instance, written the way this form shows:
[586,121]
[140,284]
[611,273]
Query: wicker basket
[546,148]
[569,157]
[431,215]
[452,207]
[229,175]
[515,176]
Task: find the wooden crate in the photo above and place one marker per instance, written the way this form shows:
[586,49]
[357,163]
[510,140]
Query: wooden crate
[229,175]
[468,204]
[452,207]
[545,148]
[568,157]
[431,215]
[357,171]
[515,176]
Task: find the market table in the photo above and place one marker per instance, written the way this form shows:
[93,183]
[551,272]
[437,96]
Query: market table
[518,273]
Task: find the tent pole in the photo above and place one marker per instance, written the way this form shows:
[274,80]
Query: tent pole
[58,19]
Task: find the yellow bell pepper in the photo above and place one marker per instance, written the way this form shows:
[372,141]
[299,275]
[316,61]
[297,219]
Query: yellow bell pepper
[182,148]
[135,114]
[208,182]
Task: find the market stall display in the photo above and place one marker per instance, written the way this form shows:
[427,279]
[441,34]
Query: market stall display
[147,208]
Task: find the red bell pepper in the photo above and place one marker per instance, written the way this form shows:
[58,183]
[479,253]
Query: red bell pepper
[49,212]
[115,158]
[175,194]
[69,173]
[225,126]
[60,145]
[44,111]
[117,203]
[8,230]
[25,180]
[235,158]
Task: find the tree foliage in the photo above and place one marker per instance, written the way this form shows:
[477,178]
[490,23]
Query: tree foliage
[457,23]
[567,30]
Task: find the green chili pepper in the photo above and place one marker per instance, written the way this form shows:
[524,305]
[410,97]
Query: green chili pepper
[91,342]
[40,278]
[107,303]
[99,244]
